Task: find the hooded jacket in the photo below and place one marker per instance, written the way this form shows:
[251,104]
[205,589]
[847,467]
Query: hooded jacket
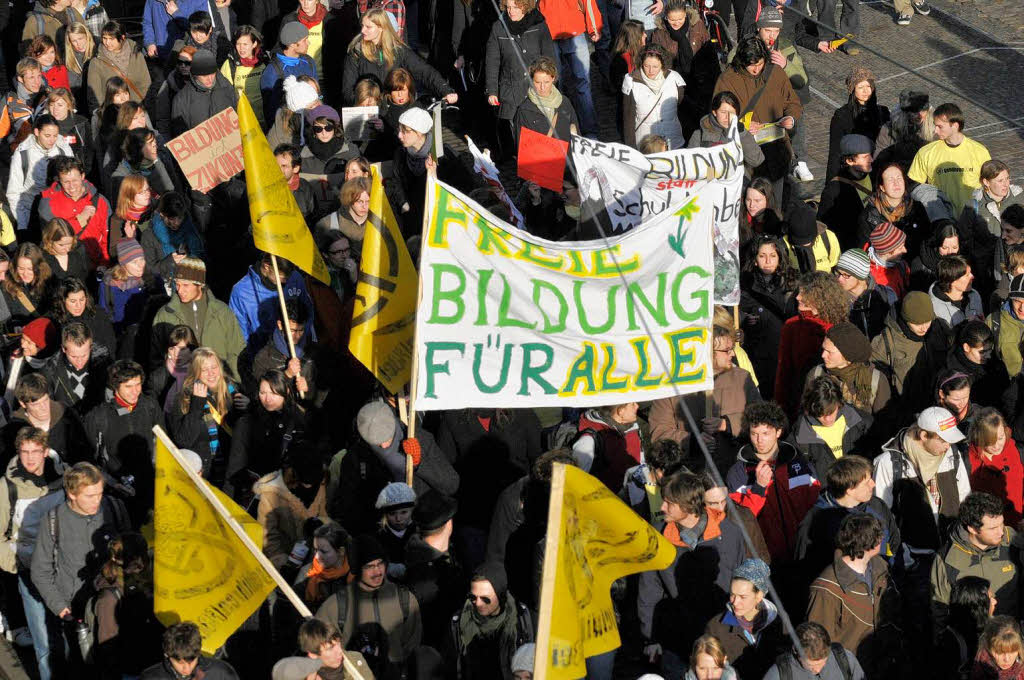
[22,511]
[258,309]
[27,177]
[208,669]
[646,112]
[66,434]
[817,451]
[950,311]
[1011,331]
[130,60]
[95,236]
[530,38]
[195,104]
[1001,475]
[870,311]
[751,654]
[842,200]
[619,449]
[282,515]
[439,583]
[218,330]
[790,494]
[911,365]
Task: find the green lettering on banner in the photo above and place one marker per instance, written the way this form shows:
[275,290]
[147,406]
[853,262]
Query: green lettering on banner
[432,368]
[563,306]
[577,267]
[535,373]
[504,320]
[444,213]
[582,369]
[529,255]
[481,296]
[643,380]
[454,296]
[506,359]
[683,356]
[577,287]
[606,267]
[634,294]
[700,295]
[492,239]
[607,384]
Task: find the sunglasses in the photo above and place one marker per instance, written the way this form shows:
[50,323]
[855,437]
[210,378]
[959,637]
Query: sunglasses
[473,598]
[326,127]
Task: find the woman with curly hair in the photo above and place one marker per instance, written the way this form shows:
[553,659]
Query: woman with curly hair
[27,285]
[73,303]
[651,96]
[767,299]
[821,304]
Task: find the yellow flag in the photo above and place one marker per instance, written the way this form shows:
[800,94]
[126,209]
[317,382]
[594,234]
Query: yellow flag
[385,306]
[277,225]
[202,572]
[593,538]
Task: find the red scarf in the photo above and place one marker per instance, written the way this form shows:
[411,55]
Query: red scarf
[135,212]
[293,183]
[318,16]
[252,61]
[124,404]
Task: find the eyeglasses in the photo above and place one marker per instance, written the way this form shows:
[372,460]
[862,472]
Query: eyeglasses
[473,598]
[339,251]
[326,127]
[184,63]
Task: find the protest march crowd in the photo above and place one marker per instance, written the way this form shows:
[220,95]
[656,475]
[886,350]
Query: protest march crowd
[859,453]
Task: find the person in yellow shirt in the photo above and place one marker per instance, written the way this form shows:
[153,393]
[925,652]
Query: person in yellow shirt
[952,163]
[245,65]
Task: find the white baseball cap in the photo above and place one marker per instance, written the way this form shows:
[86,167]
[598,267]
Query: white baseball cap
[940,421]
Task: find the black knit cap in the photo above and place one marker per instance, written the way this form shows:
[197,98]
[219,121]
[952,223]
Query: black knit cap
[495,573]
[433,509]
[368,549]
[851,342]
[803,226]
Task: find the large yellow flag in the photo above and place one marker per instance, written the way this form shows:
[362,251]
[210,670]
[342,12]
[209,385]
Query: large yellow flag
[202,571]
[385,306]
[593,538]
[277,225]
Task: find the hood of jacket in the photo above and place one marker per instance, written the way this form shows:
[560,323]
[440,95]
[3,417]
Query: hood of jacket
[26,487]
[960,540]
[418,551]
[770,610]
[56,412]
[804,432]
[787,452]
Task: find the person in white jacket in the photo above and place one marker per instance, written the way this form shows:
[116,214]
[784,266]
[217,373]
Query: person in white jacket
[651,97]
[28,166]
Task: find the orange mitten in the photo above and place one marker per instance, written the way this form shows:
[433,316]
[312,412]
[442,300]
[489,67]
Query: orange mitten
[412,449]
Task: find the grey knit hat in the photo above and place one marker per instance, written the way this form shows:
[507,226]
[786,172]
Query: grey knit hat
[295,668]
[395,496]
[855,263]
[755,571]
[376,423]
[522,660]
[293,32]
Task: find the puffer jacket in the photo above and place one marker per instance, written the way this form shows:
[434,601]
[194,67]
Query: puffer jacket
[710,133]
[195,104]
[130,60]
[27,177]
[21,513]
[95,237]
[282,515]
[646,112]
[505,79]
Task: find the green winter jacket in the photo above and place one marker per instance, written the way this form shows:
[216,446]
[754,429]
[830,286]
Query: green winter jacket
[218,329]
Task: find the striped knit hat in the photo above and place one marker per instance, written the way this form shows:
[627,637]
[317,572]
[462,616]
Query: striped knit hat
[191,269]
[856,263]
[886,237]
[128,249]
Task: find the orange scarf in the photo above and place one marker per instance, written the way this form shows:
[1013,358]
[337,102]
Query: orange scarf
[712,530]
[317,575]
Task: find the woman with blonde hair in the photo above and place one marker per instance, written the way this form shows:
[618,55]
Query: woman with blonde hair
[378,49]
[134,204]
[350,218]
[999,653]
[79,48]
[124,292]
[62,251]
[74,127]
[708,661]
[545,109]
[995,463]
[202,411]
[27,285]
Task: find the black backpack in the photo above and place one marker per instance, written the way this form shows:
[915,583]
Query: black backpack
[785,663]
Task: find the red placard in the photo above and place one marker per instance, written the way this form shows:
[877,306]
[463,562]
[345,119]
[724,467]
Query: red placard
[542,159]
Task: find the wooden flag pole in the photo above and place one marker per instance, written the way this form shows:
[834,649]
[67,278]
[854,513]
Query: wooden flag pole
[542,657]
[233,524]
[286,325]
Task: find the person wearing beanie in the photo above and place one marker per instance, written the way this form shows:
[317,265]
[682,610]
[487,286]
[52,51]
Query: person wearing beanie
[522,662]
[849,189]
[39,339]
[952,295]
[749,629]
[860,115]
[374,614]
[934,163]
[846,355]
[909,128]
[325,150]
[868,306]
[377,458]
[490,628]
[395,504]
[213,323]
[288,60]
[321,31]
[206,93]
[812,246]
[911,350]
[887,245]
[127,286]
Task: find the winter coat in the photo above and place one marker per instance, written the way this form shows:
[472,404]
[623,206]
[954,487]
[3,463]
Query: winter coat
[1011,331]
[607,451]
[764,307]
[990,383]
[76,132]
[733,390]
[842,201]
[980,232]
[567,19]
[674,603]
[66,435]
[439,583]
[870,311]
[488,657]
[505,78]
[27,177]
[701,70]
[364,474]
[487,459]
[130,60]
[62,392]
[78,264]
[409,186]
[531,117]
[218,330]
[911,365]
[710,133]
[952,312]
[751,654]
[831,671]
[921,522]
[915,224]
[645,112]
[272,81]
[853,119]
[162,29]
[95,236]
[1001,475]
[818,452]
[211,669]
[799,350]
[190,431]
[426,77]
[282,515]
[23,510]
[258,308]
[195,104]
[258,445]
[790,494]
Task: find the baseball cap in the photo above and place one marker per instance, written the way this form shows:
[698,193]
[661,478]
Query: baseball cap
[938,420]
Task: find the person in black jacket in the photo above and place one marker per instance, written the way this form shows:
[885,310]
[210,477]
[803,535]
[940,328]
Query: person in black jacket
[289,159]
[77,376]
[767,299]
[64,431]
[869,309]
[182,659]
[846,193]
[206,93]
[73,303]
[823,416]
[545,109]
[945,240]
[972,354]
[861,115]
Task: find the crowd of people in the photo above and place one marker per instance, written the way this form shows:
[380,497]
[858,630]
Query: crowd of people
[863,437]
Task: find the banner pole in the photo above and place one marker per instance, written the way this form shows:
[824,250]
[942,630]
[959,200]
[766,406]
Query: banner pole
[542,656]
[286,325]
[233,524]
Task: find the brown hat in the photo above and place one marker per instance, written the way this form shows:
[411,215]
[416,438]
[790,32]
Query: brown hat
[191,269]
[858,75]
[851,342]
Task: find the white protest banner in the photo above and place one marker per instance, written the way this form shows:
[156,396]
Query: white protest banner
[211,152]
[355,120]
[624,188]
[506,319]
[485,167]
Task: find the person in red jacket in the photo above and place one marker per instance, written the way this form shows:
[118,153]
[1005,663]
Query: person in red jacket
[820,305]
[44,50]
[80,203]
[619,447]
[572,24]
[887,245]
[995,463]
